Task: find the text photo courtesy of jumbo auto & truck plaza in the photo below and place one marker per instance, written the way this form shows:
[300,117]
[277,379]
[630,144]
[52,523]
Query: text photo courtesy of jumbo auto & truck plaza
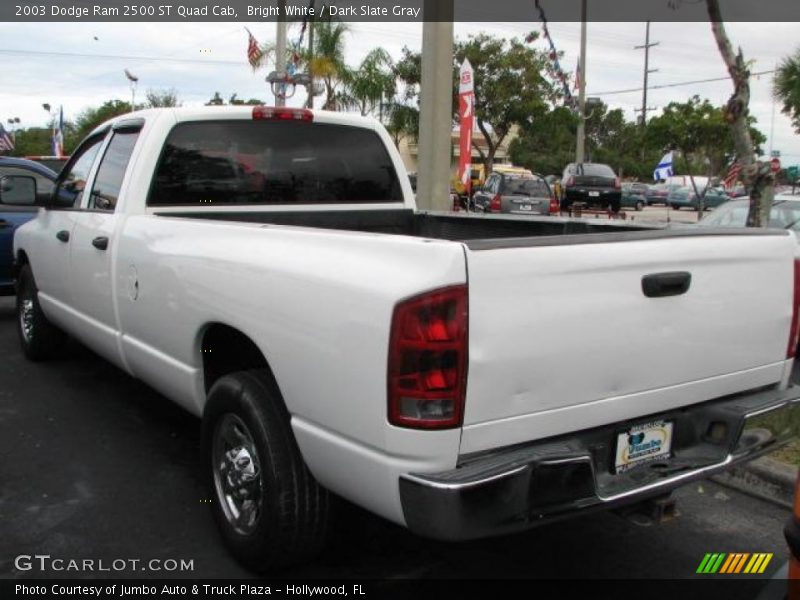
[278,317]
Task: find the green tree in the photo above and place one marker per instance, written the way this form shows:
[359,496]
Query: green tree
[786,87]
[162,98]
[34,141]
[91,118]
[546,141]
[373,81]
[402,122]
[328,63]
[701,133]
[510,89]
[234,100]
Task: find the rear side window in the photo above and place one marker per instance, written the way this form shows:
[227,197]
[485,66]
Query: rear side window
[111,171]
[272,162]
[526,187]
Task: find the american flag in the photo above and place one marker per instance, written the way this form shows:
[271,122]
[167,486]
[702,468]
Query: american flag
[732,177]
[6,143]
[254,52]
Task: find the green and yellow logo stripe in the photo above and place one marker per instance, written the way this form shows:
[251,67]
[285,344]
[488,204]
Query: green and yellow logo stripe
[734,563]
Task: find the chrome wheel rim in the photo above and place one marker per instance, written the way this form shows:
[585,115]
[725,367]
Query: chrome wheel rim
[237,474]
[26,318]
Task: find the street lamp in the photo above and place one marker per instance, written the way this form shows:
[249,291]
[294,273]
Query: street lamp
[133,79]
[12,123]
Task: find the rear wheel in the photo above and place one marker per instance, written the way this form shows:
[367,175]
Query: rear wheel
[639,205]
[675,207]
[271,511]
[39,338]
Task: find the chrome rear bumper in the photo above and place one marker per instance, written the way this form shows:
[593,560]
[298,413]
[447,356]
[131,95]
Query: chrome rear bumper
[516,488]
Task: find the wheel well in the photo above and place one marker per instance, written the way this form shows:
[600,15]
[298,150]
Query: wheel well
[227,350]
[22,259]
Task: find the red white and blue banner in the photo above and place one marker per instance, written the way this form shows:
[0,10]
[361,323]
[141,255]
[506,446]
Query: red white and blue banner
[466,115]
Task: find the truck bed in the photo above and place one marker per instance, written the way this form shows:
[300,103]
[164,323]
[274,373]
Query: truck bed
[445,226]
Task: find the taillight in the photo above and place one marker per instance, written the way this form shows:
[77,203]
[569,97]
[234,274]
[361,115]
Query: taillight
[494,204]
[791,348]
[796,509]
[617,184]
[571,181]
[555,207]
[281,113]
[427,373]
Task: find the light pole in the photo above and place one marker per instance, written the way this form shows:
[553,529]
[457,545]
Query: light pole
[12,123]
[133,81]
[580,146]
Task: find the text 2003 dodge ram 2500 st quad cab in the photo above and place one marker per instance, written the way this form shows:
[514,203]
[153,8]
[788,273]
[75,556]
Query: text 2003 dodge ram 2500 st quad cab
[460,375]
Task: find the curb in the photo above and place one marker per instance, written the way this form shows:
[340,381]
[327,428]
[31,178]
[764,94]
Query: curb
[763,478]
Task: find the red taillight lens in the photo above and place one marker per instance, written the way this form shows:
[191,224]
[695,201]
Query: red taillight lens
[273,113]
[494,204]
[427,372]
[793,331]
[555,208]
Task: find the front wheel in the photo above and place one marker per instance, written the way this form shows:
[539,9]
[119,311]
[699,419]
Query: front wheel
[39,338]
[271,511]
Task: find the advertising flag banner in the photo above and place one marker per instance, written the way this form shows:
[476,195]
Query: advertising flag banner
[466,115]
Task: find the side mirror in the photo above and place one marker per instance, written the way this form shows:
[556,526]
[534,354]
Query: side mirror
[17,190]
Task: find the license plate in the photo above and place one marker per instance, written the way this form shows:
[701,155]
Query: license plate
[525,207]
[643,443]
[594,194]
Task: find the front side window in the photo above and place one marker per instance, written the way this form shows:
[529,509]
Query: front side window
[272,162]
[69,190]
[111,171]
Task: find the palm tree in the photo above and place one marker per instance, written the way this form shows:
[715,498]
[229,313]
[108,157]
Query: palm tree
[373,81]
[328,63]
[786,87]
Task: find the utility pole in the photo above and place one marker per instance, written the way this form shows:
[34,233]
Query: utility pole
[280,53]
[647,45]
[436,106]
[580,148]
[310,100]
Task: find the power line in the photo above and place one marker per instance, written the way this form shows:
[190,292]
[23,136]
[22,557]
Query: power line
[677,84]
[120,56]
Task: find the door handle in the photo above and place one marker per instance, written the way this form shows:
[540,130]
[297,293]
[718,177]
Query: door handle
[63,236]
[101,243]
[660,285]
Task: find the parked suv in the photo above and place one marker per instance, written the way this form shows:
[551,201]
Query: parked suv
[593,183]
[513,193]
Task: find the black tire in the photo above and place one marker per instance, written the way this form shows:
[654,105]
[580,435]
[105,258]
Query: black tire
[290,523]
[675,207]
[39,338]
[615,206]
[639,206]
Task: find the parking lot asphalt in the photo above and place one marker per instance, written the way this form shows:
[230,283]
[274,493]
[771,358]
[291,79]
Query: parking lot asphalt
[94,464]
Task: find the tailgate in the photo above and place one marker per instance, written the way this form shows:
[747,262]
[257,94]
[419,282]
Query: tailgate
[563,338]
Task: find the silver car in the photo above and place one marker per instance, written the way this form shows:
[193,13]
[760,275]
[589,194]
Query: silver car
[514,194]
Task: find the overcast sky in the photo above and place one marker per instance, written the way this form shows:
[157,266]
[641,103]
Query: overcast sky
[197,59]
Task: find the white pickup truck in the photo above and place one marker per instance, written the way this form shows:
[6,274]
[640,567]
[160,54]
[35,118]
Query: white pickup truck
[463,376]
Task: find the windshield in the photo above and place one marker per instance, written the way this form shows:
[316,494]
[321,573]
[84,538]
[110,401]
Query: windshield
[785,214]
